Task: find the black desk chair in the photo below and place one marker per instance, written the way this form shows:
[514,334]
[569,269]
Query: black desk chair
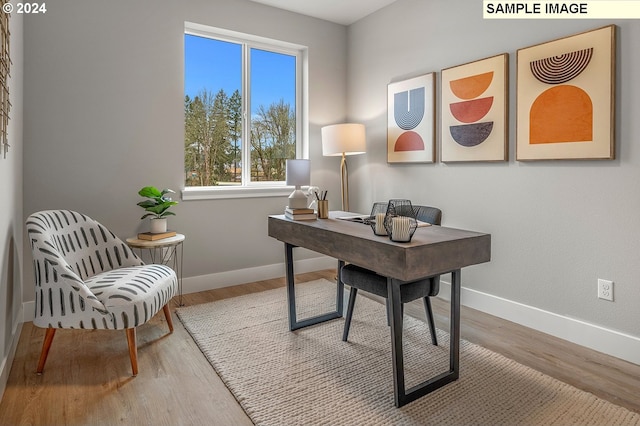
[359,278]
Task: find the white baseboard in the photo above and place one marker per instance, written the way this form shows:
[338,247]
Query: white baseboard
[7,362]
[259,273]
[610,342]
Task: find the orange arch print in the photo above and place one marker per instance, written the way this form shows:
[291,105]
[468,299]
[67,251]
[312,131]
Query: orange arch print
[472,86]
[561,114]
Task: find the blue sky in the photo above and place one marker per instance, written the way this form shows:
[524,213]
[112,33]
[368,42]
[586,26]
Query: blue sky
[215,65]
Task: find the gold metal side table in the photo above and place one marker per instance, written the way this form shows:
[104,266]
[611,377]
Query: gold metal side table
[166,251]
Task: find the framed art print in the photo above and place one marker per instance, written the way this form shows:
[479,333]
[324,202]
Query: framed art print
[565,98]
[474,111]
[411,120]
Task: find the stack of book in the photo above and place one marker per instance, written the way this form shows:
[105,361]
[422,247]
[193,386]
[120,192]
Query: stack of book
[300,214]
[148,236]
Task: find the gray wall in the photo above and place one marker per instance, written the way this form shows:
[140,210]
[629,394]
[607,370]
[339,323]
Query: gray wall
[104,95]
[11,222]
[556,226]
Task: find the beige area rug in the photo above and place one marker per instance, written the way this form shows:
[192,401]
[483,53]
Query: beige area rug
[311,377]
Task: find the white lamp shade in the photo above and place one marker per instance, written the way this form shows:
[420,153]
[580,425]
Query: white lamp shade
[347,138]
[298,172]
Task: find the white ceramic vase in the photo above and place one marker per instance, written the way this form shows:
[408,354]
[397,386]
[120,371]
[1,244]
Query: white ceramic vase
[158,226]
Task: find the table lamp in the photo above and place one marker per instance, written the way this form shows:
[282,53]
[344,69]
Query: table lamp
[298,174]
[342,140]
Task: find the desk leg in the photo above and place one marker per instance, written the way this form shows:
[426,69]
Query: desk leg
[395,317]
[401,395]
[294,324]
[340,290]
[454,345]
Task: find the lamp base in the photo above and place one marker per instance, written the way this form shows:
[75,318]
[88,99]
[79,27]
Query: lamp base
[298,200]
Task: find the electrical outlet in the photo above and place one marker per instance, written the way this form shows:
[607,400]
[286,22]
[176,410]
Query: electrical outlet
[605,289]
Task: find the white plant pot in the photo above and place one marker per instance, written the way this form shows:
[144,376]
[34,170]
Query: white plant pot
[158,226]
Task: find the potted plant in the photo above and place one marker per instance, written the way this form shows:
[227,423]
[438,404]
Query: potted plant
[157,207]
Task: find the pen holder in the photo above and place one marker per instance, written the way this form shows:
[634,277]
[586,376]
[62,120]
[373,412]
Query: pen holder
[323,209]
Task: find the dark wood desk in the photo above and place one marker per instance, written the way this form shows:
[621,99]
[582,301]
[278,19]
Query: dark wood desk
[434,250]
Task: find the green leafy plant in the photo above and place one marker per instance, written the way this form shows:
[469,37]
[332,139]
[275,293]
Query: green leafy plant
[158,203]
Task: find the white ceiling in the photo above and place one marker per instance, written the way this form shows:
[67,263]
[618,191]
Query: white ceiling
[343,12]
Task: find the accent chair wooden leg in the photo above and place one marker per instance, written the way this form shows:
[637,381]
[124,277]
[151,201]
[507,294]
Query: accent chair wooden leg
[432,325]
[46,345]
[167,314]
[133,349]
[347,321]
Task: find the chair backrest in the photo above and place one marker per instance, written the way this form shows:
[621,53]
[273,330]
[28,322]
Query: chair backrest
[427,214]
[84,244]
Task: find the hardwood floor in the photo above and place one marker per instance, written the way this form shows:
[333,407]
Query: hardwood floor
[87,378]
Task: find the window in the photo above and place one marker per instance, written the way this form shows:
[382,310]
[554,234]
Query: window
[242,109]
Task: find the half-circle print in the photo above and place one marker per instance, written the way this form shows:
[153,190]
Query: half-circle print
[561,114]
[471,134]
[409,141]
[471,111]
[408,108]
[472,86]
[562,68]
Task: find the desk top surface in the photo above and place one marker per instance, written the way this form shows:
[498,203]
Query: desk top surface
[433,249]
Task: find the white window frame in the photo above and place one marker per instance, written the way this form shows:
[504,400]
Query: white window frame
[256,189]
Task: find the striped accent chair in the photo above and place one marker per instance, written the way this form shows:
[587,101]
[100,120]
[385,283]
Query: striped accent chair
[86,277]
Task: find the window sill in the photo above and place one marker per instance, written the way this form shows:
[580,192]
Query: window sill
[228,192]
